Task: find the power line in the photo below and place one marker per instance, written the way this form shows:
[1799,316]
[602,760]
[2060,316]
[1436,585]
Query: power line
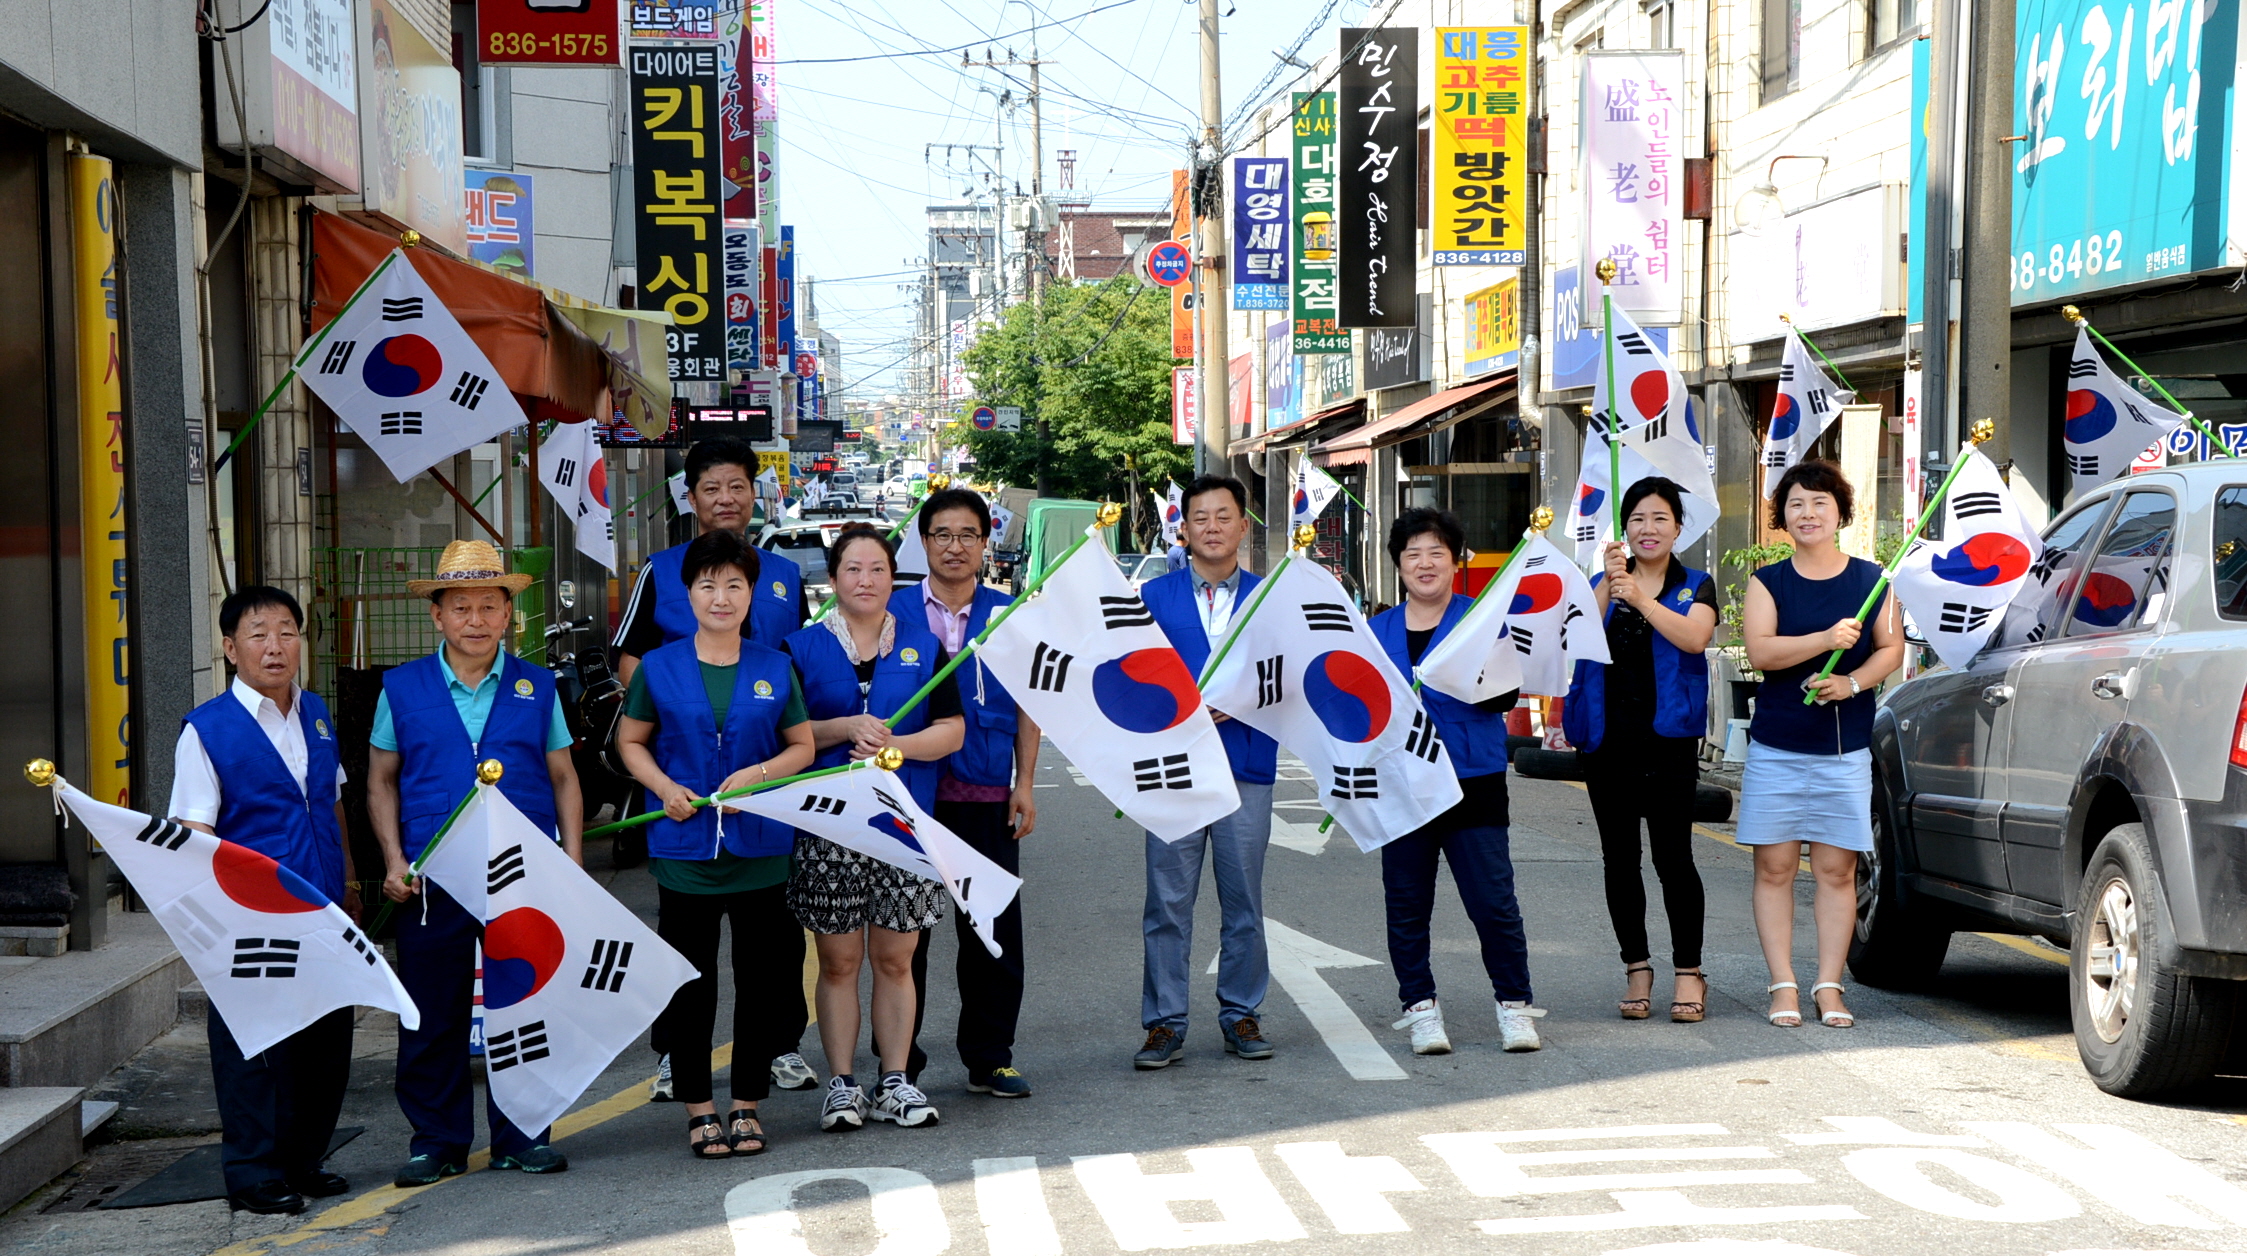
[927,52]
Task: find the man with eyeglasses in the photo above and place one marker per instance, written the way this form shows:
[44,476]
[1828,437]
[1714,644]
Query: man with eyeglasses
[985,793]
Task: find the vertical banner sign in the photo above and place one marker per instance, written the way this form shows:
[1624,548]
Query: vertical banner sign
[1182,426]
[1914,378]
[741,297]
[1181,295]
[737,147]
[101,480]
[1316,301]
[1260,233]
[676,185]
[782,311]
[1481,168]
[1379,105]
[1493,328]
[768,301]
[764,90]
[1633,210]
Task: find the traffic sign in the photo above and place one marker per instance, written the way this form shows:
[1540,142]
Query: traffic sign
[1168,263]
[985,418]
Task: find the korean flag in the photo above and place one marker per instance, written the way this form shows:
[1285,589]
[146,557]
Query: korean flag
[1957,589]
[2108,423]
[1808,402]
[399,370]
[573,469]
[1313,489]
[1650,410]
[1591,513]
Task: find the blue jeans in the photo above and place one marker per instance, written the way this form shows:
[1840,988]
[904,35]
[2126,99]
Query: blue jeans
[1483,868]
[1174,878]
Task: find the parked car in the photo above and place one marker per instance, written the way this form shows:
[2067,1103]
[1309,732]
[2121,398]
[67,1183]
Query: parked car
[1140,568]
[2084,779]
[806,543]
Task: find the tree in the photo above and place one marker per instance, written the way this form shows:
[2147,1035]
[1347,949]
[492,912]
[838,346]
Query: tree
[1094,362]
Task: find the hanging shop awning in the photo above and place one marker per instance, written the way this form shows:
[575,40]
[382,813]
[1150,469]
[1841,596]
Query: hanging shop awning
[1429,414]
[1302,429]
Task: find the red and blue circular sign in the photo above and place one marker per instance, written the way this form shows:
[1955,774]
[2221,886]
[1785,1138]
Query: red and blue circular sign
[985,418]
[1168,263]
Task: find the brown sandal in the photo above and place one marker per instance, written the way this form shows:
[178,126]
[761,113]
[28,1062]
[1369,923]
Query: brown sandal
[706,1137]
[748,1133]
[1685,1013]
[1637,1009]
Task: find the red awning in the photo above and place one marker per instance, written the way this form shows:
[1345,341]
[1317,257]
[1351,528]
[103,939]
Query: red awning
[1301,429]
[1400,426]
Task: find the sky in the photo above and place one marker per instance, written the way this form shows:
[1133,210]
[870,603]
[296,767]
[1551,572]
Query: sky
[862,131]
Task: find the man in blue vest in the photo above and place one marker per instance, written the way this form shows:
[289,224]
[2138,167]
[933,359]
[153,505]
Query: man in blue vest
[721,477]
[985,793]
[257,766]
[1195,607]
[438,718]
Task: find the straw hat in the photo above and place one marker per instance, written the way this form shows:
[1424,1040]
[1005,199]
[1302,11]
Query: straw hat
[470,565]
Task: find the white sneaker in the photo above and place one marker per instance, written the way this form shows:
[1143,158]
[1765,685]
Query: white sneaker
[791,1072]
[845,1108]
[659,1090]
[1425,1019]
[1517,1031]
[903,1103]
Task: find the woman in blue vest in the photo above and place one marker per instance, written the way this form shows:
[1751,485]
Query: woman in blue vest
[1428,546]
[717,712]
[859,667]
[1809,772]
[1638,723]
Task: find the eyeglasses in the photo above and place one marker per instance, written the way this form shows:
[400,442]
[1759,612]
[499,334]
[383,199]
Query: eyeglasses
[948,540]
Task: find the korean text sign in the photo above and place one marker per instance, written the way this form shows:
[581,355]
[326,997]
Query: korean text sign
[675,19]
[539,32]
[1316,302]
[742,247]
[1378,103]
[2123,176]
[1481,132]
[1633,118]
[676,189]
[500,219]
[1260,233]
[1494,327]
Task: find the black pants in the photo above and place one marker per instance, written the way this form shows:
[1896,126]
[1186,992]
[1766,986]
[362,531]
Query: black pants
[1650,778]
[768,987]
[990,988]
[278,1109]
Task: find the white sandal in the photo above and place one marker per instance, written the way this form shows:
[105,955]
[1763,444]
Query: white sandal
[1784,1020]
[1841,1018]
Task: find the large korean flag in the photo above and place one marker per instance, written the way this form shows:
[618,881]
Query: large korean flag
[1808,403]
[1957,588]
[398,369]
[1528,633]
[1306,670]
[2108,423]
[571,976]
[1085,659]
[1173,514]
[274,953]
[1591,514]
[870,811]
[1651,410]
[572,468]
[1313,489]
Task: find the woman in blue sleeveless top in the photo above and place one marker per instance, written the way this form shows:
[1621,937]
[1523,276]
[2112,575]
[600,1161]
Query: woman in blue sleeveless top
[1638,722]
[1809,771]
[859,667]
[713,712]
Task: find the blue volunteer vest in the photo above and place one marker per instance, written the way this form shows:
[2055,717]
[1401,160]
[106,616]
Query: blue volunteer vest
[1254,756]
[1681,681]
[986,757]
[772,608]
[831,691]
[691,749]
[1476,738]
[260,805]
[437,762]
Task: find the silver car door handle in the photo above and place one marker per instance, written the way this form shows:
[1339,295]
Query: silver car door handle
[2110,686]
[1997,695]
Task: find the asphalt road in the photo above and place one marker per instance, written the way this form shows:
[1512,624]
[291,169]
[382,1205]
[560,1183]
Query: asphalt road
[1955,1121]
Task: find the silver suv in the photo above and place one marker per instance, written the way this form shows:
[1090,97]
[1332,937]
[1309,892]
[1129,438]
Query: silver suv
[2084,779]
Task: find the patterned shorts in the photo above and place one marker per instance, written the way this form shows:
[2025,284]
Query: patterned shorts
[833,890]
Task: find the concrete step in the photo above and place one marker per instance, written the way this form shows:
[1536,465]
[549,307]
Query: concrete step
[95,1113]
[69,1020]
[39,1137]
[194,1001]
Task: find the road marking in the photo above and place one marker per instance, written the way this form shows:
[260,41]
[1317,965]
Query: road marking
[761,1212]
[2022,1197]
[1011,1200]
[1136,1204]
[1296,959]
[1664,1210]
[1350,1189]
[1298,835]
[2127,1172]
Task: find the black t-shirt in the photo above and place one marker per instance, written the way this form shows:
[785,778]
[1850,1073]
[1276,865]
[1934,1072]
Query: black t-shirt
[1482,799]
[639,633]
[1630,642]
[943,701]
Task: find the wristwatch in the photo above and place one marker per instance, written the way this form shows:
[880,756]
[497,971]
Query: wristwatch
[1854,689]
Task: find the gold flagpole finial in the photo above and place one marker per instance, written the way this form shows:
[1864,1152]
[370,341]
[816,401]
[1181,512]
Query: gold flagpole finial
[410,238]
[1605,270]
[1786,318]
[489,771]
[1305,536]
[40,772]
[2072,314]
[1983,431]
[1109,513]
[1540,519]
[889,758]
[939,482]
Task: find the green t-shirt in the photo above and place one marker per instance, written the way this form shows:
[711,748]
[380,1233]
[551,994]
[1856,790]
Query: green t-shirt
[728,873]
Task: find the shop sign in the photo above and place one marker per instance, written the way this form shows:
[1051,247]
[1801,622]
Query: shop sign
[1181,294]
[741,253]
[543,32]
[1377,107]
[409,129]
[1182,408]
[1392,357]
[1480,169]
[783,307]
[1260,233]
[102,517]
[675,203]
[1283,378]
[1632,117]
[500,230]
[1827,264]
[1493,328]
[737,156]
[1316,304]
[1575,333]
[673,19]
[315,59]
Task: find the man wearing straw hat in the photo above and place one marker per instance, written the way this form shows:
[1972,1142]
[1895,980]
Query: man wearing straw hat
[438,718]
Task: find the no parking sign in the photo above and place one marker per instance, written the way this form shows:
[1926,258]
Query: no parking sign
[985,418]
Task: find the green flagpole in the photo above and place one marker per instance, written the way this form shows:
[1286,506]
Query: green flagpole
[888,759]
[1606,272]
[2075,316]
[936,484]
[1982,431]
[487,773]
[1304,535]
[290,375]
[1789,321]
[1539,520]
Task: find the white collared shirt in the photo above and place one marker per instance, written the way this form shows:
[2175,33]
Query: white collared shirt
[1214,601]
[195,787]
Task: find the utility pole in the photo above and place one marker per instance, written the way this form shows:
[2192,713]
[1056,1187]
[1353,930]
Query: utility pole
[1985,298]
[1213,398]
[1033,235]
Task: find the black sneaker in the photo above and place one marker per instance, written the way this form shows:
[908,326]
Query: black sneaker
[1245,1038]
[1004,1082]
[1163,1048]
[538,1159]
[425,1171]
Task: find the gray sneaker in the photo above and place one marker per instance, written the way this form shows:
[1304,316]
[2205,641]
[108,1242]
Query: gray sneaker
[845,1108]
[902,1103]
[1163,1048]
[791,1072]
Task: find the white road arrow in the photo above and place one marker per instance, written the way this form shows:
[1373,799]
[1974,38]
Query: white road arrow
[1296,960]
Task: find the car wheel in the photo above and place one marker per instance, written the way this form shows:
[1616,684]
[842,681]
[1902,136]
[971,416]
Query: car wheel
[2142,1027]
[1548,765]
[1898,945]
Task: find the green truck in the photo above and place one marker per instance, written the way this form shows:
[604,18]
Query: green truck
[1041,529]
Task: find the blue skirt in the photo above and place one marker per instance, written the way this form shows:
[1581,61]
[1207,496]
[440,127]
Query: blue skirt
[1786,796]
